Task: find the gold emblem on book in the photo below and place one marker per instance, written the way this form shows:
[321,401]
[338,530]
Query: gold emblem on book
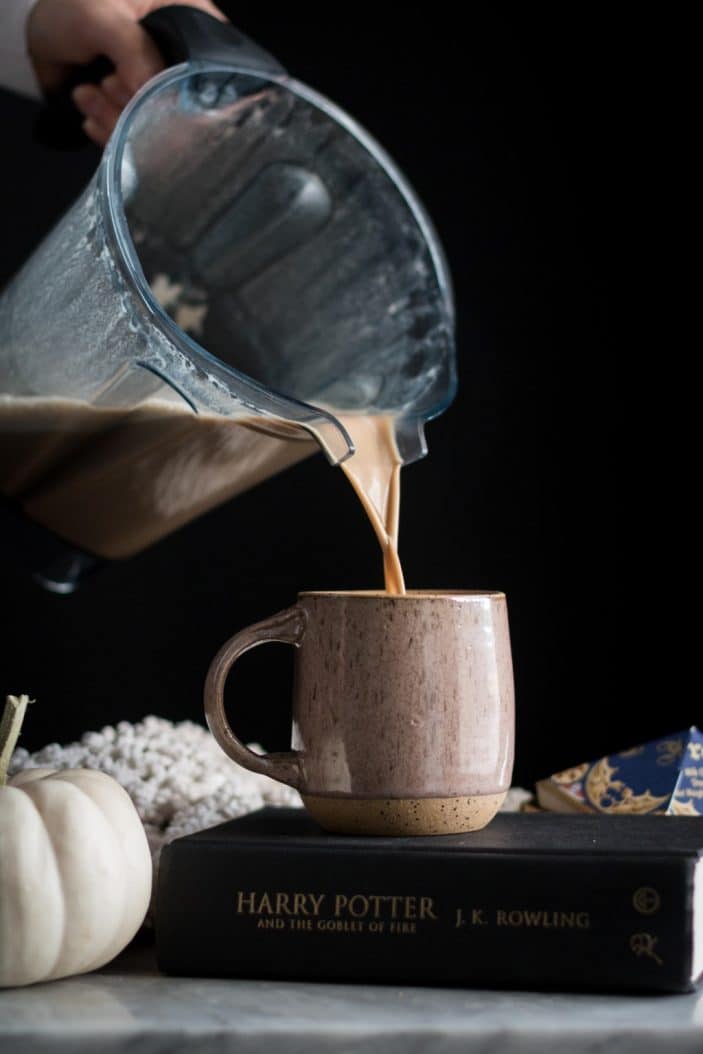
[643,944]
[614,796]
[646,900]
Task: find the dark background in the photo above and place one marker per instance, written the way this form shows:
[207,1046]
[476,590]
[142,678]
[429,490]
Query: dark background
[505,128]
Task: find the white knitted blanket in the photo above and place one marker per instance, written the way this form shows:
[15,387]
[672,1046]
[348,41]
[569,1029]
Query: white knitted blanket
[176,775]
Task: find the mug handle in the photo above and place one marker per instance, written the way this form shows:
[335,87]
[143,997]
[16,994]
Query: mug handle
[287,627]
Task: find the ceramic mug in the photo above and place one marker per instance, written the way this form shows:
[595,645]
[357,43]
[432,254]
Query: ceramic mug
[403,711]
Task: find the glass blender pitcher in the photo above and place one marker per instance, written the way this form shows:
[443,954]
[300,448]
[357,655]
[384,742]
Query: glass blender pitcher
[246,265]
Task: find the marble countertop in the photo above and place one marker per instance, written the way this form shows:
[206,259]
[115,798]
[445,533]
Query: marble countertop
[128,1005]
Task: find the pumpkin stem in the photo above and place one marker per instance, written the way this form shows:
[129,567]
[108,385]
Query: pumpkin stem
[10,725]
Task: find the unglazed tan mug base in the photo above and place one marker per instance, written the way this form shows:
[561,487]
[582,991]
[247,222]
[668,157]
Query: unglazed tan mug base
[403,816]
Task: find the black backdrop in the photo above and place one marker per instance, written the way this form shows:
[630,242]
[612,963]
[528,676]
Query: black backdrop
[503,127]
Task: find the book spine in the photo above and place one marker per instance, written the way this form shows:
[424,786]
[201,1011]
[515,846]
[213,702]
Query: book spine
[570,921]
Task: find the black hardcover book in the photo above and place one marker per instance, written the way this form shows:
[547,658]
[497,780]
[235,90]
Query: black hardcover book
[532,901]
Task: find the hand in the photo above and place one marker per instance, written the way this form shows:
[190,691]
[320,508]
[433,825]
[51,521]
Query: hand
[66,33]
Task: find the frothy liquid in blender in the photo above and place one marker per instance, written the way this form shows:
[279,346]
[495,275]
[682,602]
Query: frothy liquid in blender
[114,482]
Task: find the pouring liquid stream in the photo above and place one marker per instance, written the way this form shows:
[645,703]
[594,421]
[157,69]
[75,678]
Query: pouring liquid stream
[374,473]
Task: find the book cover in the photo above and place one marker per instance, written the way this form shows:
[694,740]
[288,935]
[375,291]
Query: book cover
[662,776]
[531,901]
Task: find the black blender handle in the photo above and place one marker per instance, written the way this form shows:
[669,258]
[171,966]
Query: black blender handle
[182,34]
[186,34]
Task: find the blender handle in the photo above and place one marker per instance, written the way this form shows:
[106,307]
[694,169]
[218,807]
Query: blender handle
[182,34]
[186,34]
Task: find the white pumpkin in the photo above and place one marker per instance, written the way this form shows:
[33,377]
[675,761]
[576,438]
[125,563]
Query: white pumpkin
[75,873]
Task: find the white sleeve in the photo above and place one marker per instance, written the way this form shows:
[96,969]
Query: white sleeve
[16,69]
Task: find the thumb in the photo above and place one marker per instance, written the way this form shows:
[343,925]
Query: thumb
[133,53]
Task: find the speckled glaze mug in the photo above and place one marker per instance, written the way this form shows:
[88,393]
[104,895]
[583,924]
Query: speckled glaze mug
[403,712]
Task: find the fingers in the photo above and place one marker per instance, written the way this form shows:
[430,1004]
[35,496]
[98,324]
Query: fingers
[101,105]
[95,132]
[136,60]
[116,90]
[99,108]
